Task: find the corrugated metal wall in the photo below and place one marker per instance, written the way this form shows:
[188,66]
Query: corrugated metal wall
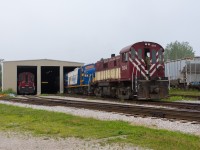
[108,74]
[184,69]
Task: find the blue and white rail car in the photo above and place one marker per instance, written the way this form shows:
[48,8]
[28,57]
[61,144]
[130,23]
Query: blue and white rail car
[74,77]
[65,80]
[80,79]
[88,74]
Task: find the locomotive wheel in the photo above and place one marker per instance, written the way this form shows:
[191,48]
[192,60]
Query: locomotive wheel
[98,92]
[122,94]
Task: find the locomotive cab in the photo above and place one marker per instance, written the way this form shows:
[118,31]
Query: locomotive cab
[26,83]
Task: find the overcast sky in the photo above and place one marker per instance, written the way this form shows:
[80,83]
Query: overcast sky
[87,30]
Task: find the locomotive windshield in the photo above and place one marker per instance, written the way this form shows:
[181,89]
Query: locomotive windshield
[153,54]
[125,57]
[160,56]
[26,78]
[147,57]
[89,66]
[20,77]
[140,54]
[32,78]
[132,53]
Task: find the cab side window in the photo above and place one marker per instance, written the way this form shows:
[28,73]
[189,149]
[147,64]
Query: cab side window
[153,56]
[140,54]
[132,53]
[124,57]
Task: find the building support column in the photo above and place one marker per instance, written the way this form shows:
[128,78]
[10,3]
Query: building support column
[38,80]
[61,80]
[2,75]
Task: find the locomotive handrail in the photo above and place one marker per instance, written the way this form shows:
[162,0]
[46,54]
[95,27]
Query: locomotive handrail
[89,81]
[132,77]
[136,82]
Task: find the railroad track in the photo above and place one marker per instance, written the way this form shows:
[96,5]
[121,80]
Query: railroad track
[180,105]
[128,109]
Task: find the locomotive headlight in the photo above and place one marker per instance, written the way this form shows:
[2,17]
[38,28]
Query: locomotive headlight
[149,44]
[145,44]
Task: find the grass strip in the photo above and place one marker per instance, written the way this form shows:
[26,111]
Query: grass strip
[184,92]
[45,123]
[178,98]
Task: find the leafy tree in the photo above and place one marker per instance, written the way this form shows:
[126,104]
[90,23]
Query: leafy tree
[176,50]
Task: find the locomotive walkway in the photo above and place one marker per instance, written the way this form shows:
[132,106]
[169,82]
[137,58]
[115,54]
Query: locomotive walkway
[192,115]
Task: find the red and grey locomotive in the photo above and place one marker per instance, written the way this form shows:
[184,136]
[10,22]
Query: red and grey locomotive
[26,83]
[137,72]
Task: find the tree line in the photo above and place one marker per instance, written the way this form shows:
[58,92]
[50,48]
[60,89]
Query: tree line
[178,50]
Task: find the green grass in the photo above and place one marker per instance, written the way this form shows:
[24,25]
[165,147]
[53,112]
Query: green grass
[9,91]
[184,92]
[44,123]
[177,98]
[7,94]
